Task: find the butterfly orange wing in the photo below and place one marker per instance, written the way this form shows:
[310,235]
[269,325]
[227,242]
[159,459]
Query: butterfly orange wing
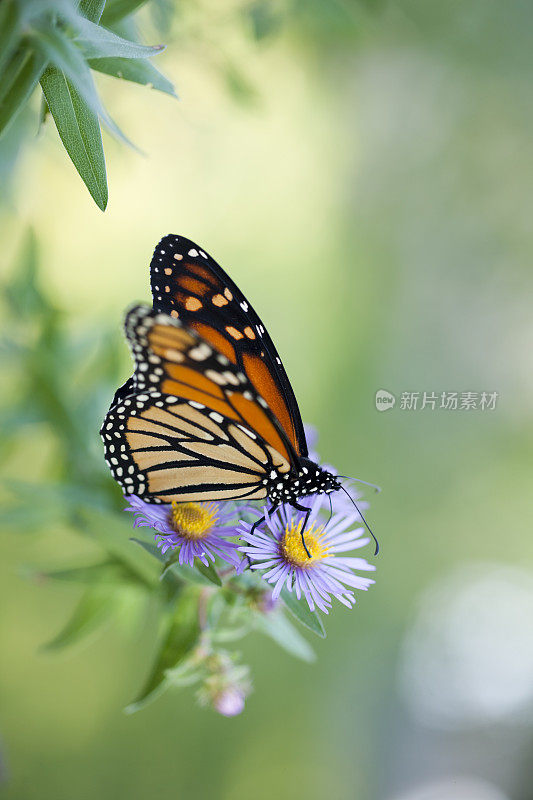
[189,285]
[193,426]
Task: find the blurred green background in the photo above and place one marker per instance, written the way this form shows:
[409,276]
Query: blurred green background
[363,171]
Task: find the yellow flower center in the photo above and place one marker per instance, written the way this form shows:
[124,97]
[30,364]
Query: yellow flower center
[193,520]
[293,549]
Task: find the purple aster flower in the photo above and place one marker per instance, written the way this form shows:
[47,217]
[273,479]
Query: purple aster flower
[278,551]
[199,530]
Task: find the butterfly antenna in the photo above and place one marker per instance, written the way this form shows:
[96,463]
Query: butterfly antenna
[367,526]
[366,483]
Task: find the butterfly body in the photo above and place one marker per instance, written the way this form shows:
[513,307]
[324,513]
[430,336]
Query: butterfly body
[308,478]
[209,413]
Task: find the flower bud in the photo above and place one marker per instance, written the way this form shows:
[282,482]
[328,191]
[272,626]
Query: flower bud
[229,702]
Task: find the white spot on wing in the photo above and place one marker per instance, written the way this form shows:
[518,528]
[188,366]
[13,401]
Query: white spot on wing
[247,432]
[200,352]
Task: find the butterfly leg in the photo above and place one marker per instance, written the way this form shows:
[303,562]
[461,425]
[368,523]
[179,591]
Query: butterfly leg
[307,511]
[260,521]
[256,524]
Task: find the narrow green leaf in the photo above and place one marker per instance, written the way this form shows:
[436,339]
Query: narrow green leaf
[94,608]
[277,627]
[11,71]
[13,143]
[116,10]
[150,547]
[79,130]
[98,42]
[127,28]
[208,572]
[182,571]
[92,9]
[63,54]
[28,519]
[179,639]
[134,70]
[111,571]
[238,85]
[18,82]
[23,292]
[9,30]
[263,18]
[300,609]
[112,532]
[162,13]
[186,573]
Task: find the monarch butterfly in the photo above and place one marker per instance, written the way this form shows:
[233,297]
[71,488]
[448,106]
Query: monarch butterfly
[209,413]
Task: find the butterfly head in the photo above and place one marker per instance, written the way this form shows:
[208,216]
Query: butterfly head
[317,480]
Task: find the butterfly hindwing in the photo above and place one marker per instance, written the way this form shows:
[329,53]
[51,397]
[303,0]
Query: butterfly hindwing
[162,449]
[188,284]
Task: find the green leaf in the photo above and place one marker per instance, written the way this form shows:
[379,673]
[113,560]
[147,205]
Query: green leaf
[39,505]
[224,635]
[9,30]
[111,571]
[180,637]
[127,28]
[277,627]
[151,548]
[136,71]
[300,609]
[64,55]
[94,608]
[182,571]
[92,9]
[12,143]
[208,572]
[162,13]
[116,10]
[79,130]
[18,82]
[112,532]
[263,18]
[97,42]
[23,293]
[186,573]
[238,85]
[11,71]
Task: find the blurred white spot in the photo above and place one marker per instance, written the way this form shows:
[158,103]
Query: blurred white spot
[468,658]
[455,788]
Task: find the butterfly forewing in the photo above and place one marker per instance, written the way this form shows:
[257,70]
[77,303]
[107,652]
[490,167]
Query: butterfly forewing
[194,427]
[174,360]
[188,284]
